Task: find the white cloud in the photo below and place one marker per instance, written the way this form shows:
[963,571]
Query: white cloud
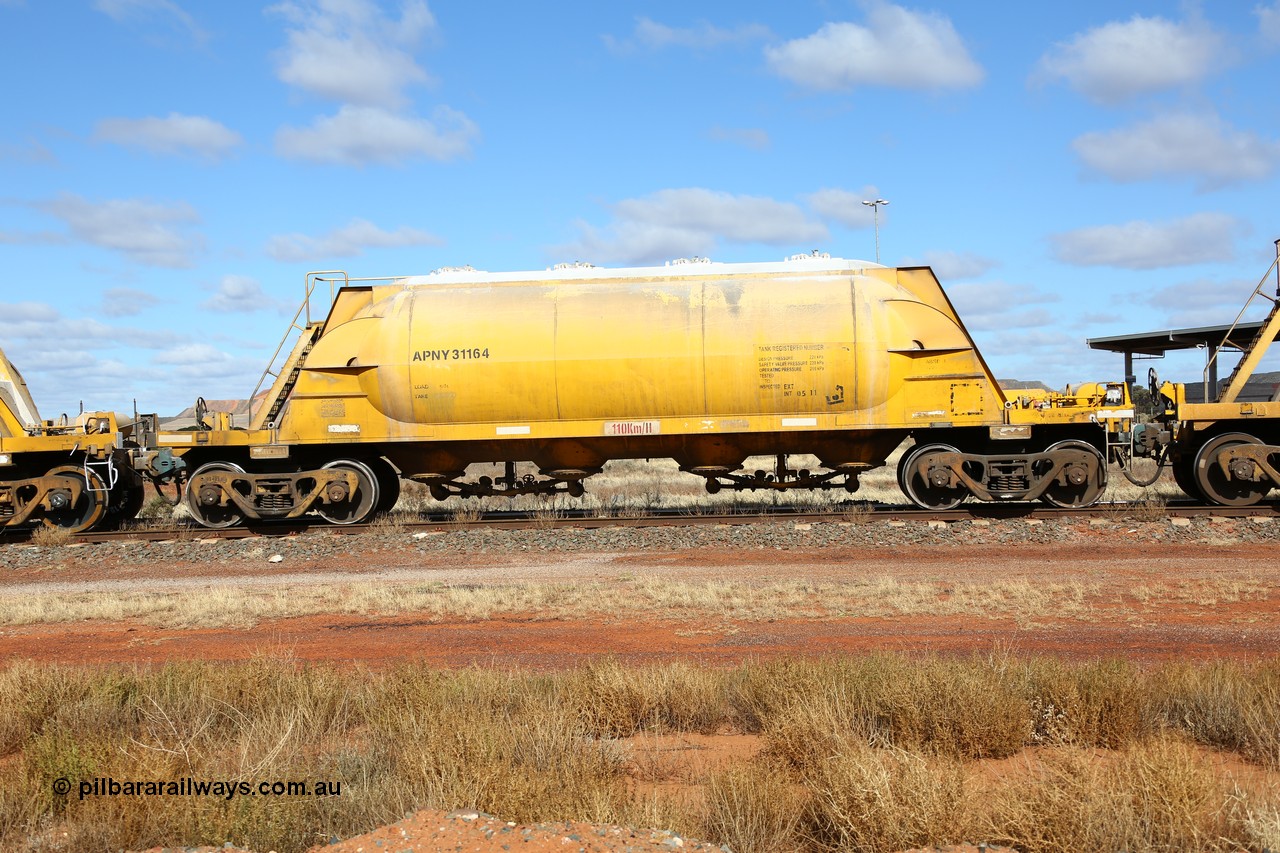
[350,51]
[748,137]
[703,36]
[14,313]
[31,238]
[1204,147]
[1050,353]
[206,369]
[846,207]
[146,232]
[239,294]
[1269,22]
[190,353]
[1196,239]
[691,221]
[126,302]
[360,135]
[953,266]
[1201,302]
[62,359]
[174,134]
[1118,60]
[164,11]
[897,47]
[31,151]
[1001,306]
[43,330]
[348,241]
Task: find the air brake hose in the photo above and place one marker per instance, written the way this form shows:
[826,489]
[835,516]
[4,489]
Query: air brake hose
[1160,463]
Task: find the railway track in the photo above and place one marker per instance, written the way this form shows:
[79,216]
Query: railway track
[584,519]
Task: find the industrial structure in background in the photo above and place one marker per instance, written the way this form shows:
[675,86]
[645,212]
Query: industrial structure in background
[1223,444]
[705,363]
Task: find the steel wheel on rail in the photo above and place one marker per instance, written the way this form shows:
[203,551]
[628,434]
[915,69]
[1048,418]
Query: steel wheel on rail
[1080,491]
[1184,475]
[918,489]
[206,502]
[124,504]
[76,515]
[388,484]
[1218,485]
[358,506]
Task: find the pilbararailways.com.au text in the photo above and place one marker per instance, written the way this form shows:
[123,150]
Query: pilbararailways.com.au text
[188,787]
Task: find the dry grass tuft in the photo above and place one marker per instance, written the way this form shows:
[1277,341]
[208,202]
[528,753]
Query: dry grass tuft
[466,513]
[45,536]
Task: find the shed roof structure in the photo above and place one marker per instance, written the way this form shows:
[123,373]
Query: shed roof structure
[1156,344]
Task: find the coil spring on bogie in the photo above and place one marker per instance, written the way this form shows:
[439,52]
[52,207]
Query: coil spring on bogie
[275,501]
[1008,483]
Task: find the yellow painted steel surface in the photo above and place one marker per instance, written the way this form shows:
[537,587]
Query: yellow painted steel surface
[612,354]
[17,409]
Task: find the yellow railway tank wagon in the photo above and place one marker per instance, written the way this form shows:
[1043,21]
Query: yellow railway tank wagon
[706,363]
[70,474]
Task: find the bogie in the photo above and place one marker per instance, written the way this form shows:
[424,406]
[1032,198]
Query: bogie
[1232,469]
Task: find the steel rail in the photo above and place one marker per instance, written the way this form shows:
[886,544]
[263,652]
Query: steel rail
[586,519]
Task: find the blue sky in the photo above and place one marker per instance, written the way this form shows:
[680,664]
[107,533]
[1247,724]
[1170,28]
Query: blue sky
[170,170]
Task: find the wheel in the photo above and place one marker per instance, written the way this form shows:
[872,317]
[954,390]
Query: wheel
[82,514]
[358,506]
[1077,495]
[921,492]
[1218,485]
[125,504]
[388,484]
[1184,475]
[206,506]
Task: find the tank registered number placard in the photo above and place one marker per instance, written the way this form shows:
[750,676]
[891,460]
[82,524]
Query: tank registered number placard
[791,370]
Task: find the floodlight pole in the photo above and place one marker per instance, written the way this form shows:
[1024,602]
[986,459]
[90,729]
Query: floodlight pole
[875,213]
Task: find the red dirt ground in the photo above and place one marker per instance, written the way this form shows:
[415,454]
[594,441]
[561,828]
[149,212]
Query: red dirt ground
[1194,626]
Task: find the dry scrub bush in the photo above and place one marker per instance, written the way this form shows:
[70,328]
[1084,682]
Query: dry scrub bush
[962,709]
[878,800]
[156,508]
[1259,820]
[534,766]
[1093,704]
[617,701]
[1153,796]
[1224,705]
[753,809]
